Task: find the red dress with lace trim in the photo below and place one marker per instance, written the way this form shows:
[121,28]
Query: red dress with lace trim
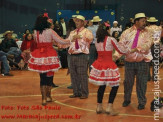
[104,71]
[44,58]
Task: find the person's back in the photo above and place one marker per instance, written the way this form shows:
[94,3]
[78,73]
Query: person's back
[106,48]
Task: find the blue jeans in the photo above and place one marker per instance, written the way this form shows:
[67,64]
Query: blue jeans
[3,59]
[16,52]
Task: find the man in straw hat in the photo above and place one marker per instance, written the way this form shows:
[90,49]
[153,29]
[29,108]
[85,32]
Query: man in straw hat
[156,36]
[93,52]
[10,46]
[81,38]
[137,63]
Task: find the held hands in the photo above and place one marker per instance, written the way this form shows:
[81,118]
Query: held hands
[134,50]
[115,58]
[76,37]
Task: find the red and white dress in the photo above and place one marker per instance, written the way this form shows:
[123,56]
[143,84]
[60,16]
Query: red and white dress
[104,71]
[44,58]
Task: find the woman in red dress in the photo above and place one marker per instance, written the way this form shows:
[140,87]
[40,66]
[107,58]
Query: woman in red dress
[44,59]
[27,47]
[104,71]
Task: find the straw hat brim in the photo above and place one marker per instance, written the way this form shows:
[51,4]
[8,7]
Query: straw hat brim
[152,20]
[97,20]
[7,32]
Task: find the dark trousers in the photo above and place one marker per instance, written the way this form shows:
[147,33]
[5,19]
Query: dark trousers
[140,71]
[78,72]
[92,55]
[45,81]
[112,95]
[63,58]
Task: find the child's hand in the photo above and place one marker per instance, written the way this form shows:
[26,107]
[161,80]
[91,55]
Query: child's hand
[76,37]
[134,50]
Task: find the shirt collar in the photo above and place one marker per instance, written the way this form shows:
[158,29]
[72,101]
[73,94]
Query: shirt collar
[134,28]
[79,30]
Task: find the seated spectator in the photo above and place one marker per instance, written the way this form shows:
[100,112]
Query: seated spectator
[116,35]
[10,47]
[26,32]
[57,28]
[3,59]
[27,46]
[116,28]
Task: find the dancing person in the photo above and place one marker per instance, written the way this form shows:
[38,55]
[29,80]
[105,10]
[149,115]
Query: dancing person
[104,71]
[137,63]
[44,59]
[79,57]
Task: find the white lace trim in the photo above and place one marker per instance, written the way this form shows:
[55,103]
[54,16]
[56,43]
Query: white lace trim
[105,70]
[44,60]
[40,71]
[107,83]
[36,63]
[108,77]
[107,73]
[44,57]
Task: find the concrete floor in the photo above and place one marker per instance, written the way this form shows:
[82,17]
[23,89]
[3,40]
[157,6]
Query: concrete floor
[20,97]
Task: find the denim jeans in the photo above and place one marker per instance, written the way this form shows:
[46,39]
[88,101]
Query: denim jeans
[16,52]
[3,59]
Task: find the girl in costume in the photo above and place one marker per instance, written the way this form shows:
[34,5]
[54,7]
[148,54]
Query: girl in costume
[44,59]
[104,71]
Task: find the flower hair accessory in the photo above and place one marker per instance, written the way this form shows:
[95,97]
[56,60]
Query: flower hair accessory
[50,20]
[45,15]
[106,24]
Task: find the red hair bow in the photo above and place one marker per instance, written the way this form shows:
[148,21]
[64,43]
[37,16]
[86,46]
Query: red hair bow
[106,24]
[45,15]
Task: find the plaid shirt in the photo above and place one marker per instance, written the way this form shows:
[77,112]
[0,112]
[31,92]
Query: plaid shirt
[84,42]
[144,45]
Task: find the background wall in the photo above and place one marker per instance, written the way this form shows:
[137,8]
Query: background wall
[19,15]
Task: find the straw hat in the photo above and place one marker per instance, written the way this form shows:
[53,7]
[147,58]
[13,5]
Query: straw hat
[80,17]
[152,19]
[96,19]
[74,16]
[139,15]
[7,32]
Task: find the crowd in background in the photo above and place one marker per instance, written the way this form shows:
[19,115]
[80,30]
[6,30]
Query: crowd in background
[17,52]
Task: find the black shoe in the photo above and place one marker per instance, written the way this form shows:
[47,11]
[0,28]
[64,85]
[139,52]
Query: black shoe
[83,97]
[8,74]
[54,86]
[126,103]
[140,107]
[74,96]
[69,87]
